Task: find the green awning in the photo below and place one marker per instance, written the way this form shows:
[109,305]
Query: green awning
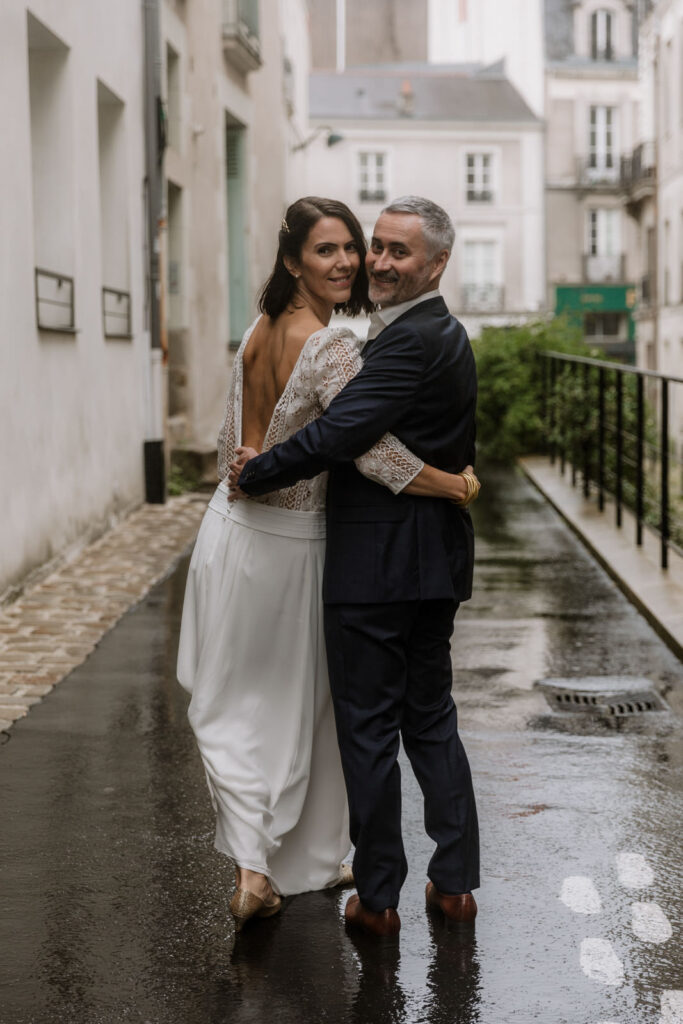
[595,298]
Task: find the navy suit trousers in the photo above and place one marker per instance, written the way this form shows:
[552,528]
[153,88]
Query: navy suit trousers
[391,676]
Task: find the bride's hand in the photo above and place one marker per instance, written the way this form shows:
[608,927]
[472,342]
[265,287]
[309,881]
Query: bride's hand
[242,455]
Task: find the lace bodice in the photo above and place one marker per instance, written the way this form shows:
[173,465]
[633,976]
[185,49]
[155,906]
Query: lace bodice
[327,362]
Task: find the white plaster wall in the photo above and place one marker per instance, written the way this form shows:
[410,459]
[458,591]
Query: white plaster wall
[72,406]
[431,162]
[487,31]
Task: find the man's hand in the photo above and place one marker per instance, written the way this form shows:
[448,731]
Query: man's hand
[242,456]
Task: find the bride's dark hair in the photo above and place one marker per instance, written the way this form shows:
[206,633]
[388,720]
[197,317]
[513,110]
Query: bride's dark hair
[280,288]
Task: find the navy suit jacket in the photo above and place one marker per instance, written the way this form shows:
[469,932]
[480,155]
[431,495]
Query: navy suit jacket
[418,381]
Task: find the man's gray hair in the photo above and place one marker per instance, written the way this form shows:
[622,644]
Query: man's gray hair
[437,226]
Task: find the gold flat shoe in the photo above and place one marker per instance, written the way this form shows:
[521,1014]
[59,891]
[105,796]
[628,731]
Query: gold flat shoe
[245,905]
[345,876]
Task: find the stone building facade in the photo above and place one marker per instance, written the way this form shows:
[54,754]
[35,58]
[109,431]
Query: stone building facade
[592,113]
[81,389]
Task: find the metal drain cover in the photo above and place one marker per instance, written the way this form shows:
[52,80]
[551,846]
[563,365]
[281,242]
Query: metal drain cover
[616,696]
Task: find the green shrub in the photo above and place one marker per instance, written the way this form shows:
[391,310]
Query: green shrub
[510,403]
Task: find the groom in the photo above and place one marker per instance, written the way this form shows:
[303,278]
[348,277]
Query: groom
[396,569]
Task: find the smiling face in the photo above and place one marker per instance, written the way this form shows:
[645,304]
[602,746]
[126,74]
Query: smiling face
[399,265]
[328,263]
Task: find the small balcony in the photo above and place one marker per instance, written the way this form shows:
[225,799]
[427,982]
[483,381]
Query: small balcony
[482,298]
[598,173]
[639,177]
[369,195]
[241,43]
[604,269]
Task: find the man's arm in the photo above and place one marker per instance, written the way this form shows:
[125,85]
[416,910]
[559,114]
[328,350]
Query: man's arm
[366,409]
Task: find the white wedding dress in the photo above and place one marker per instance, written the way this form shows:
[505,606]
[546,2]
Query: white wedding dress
[252,649]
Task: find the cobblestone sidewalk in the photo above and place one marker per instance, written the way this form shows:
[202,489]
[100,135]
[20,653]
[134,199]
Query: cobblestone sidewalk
[54,626]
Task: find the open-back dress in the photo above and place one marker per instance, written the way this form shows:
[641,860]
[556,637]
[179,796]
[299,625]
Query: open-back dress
[252,648]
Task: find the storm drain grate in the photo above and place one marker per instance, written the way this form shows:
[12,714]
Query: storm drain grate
[616,696]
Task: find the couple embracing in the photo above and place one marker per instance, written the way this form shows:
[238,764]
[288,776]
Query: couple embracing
[328,570]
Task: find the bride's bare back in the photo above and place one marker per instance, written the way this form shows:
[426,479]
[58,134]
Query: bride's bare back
[267,363]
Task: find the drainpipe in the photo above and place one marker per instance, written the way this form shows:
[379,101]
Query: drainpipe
[341,35]
[655,199]
[155,143]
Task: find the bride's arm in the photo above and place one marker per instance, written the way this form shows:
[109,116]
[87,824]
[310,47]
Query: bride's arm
[334,363]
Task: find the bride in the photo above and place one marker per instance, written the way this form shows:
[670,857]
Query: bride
[252,649]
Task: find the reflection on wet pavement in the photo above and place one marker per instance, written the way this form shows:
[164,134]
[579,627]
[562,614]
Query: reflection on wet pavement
[115,904]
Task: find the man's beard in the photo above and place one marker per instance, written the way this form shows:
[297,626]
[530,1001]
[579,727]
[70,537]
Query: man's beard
[404,288]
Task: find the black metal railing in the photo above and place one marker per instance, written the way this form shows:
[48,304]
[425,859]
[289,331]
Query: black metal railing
[612,424]
[372,195]
[640,167]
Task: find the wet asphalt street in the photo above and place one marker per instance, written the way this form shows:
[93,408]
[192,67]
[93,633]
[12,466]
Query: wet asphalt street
[114,904]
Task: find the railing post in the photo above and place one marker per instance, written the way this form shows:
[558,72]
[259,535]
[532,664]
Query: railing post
[664,520]
[574,416]
[640,440]
[586,418]
[620,444]
[553,375]
[601,439]
[563,423]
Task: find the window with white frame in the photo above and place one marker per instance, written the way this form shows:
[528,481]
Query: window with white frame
[372,176]
[603,232]
[601,139]
[603,254]
[481,287]
[602,23]
[479,177]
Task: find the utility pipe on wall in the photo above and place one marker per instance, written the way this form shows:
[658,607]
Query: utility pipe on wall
[155,143]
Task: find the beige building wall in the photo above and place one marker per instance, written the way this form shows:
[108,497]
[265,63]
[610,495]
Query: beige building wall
[73,401]
[231,168]
[583,183]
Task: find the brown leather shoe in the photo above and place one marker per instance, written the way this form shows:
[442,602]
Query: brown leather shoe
[381,924]
[459,907]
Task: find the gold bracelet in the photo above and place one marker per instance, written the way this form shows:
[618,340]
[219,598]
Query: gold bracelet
[472,485]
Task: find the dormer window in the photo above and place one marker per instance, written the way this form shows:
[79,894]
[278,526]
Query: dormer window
[601,35]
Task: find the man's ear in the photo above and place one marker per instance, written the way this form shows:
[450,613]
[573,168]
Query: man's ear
[439,264]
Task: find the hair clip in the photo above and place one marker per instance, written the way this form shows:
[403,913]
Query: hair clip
[285,225]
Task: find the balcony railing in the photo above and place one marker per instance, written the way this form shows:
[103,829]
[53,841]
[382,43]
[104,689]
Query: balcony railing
[597,172]
[241,43]
[613,425]
[639,170]
[646,290]
[367,195]
[602,269]
[482,298]
[482,195]
[54,301]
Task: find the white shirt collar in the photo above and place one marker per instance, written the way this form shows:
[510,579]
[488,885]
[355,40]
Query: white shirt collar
[383,317]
